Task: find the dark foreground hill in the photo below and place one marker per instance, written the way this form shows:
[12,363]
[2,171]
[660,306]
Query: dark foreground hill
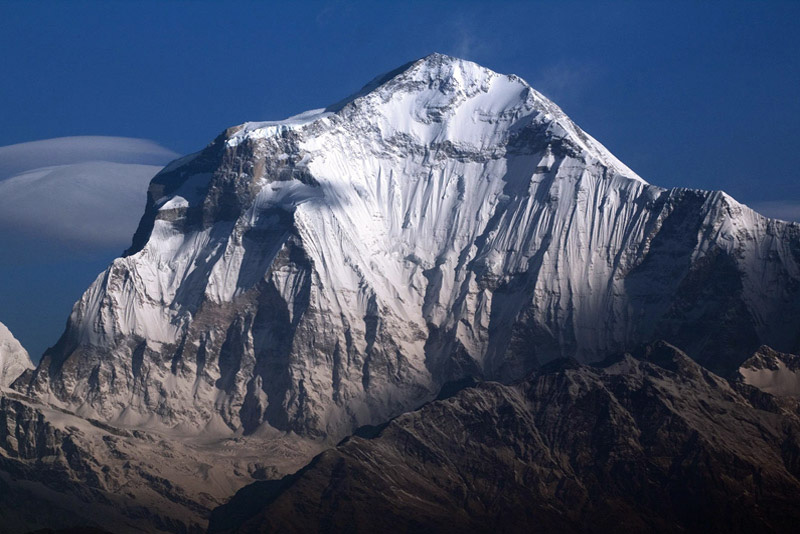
[651,443]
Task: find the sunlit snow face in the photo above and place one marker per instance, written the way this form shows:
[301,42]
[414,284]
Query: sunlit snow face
[85,191]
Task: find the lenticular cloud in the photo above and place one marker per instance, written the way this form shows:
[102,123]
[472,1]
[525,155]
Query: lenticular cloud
[83,190]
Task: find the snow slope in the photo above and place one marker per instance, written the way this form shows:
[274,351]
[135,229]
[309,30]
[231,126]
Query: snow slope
[773,372]
[14,359]
[334,269]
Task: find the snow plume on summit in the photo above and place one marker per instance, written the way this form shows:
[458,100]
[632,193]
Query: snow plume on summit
[335,269]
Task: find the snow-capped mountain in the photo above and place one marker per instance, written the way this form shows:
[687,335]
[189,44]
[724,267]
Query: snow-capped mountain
[334,269]
[14,359]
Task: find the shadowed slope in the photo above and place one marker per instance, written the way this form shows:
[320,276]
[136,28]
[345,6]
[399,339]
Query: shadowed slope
[652,443]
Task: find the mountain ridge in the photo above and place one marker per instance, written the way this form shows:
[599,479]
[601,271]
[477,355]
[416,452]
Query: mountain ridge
[650,442]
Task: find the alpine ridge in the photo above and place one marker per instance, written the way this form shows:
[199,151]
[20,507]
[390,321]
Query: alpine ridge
[334,269]
[645,442]
[14,359]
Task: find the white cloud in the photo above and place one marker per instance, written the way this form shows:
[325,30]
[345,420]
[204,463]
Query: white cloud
[15,159]
[84,191]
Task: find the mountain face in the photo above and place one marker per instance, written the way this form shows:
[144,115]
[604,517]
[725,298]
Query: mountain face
[59,470]
[772,372]
[335,269]
[14,359]
[651,443]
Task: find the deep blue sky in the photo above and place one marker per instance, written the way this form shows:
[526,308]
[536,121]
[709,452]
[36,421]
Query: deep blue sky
[699,94]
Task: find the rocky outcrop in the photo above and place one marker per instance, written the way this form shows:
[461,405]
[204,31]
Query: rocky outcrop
[644,443]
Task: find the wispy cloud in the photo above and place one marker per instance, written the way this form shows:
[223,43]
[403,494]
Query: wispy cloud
[778,209]
[462,36]
[332,10]
[465,41]
[82,191]
[566,81]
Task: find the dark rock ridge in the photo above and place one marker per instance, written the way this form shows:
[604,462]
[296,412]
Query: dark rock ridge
[645,443]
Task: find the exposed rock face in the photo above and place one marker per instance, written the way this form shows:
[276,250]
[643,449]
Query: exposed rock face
[14,359]
[772,372]
[335,269]
[653,443]
[58,470]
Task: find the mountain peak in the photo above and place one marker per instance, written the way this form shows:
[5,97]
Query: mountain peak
[444,65]
[14,359]
[431,61]
[443,99]
[336,268]
[438,57]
